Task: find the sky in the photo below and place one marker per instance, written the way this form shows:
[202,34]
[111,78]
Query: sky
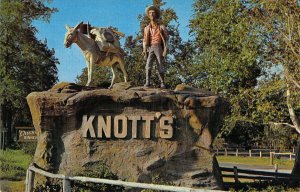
[121,14]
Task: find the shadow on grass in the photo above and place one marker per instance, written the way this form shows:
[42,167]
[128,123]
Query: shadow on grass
[271,186]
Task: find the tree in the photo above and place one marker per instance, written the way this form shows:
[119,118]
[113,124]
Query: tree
[280,21]
[249,52]
[228,56]
[26,64]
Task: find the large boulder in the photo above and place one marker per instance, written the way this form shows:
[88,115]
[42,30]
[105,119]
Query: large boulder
[138,133]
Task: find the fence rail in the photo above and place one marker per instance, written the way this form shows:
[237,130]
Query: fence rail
[237,174]
[67,182]
[254,153]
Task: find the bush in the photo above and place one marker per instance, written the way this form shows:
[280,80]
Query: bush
[96,170]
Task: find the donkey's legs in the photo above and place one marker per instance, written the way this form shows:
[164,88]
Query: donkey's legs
[113,70]
[122,66]
[89,72]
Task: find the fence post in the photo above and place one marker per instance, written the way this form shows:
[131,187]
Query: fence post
[293,149]
[29,180]
[66,185]
[250,155]
[271,158]
[217,152]
[237,152]
[290,156]
[260,155]
[236,178]
[225,151]
[276,170]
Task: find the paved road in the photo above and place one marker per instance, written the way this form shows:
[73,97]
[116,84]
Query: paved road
[254,167]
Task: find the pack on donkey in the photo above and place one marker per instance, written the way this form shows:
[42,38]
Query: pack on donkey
[100,45]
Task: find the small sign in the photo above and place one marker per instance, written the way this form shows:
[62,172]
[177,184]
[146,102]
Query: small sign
[26,134]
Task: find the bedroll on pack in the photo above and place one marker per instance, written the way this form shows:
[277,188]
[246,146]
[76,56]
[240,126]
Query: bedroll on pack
[106,40]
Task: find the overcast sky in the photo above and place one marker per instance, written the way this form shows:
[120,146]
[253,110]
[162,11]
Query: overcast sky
[118,13]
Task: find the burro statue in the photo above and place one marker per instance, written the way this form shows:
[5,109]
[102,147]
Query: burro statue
[99,46]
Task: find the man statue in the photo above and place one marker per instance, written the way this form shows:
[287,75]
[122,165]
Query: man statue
[155,44]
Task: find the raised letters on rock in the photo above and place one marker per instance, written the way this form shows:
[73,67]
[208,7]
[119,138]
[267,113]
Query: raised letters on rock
[118,126]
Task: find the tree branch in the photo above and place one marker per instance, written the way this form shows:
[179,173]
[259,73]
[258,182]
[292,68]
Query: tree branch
[286,124]
[292,113]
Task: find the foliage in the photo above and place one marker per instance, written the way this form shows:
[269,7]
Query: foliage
[96,170]
[247,51]
[14,164]
[228,60]
[51,185]
[101,77]
[27,147]
[156,179]
[26,63]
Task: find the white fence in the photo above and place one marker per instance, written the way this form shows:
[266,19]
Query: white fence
[254,153]
[67,182]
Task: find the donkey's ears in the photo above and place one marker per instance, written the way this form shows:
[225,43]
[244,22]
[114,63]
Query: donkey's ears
[67,27]
[78,25]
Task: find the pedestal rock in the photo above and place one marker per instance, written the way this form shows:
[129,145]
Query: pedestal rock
[62,115]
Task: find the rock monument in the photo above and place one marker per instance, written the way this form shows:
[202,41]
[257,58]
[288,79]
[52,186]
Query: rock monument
[139,133]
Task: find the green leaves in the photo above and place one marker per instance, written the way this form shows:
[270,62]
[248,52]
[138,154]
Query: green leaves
[26,64]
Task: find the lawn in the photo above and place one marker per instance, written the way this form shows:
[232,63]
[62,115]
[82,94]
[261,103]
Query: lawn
[282,163]
[14,164]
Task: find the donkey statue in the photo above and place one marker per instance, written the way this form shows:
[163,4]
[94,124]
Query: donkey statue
[92,53]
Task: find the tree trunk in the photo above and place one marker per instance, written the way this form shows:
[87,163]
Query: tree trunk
[2,131]
[295,120]
[7,124]
[296,168]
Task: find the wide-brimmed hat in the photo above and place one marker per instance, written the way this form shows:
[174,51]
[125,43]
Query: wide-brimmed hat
[152,7]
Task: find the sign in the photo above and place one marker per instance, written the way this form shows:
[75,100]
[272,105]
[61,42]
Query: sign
[26,134]
[123,126]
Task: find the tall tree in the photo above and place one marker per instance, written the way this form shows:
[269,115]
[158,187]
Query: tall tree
[228,55]
[280,21]
[241,43]
[26,64]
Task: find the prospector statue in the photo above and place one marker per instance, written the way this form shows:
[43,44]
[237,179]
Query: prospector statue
[99,46]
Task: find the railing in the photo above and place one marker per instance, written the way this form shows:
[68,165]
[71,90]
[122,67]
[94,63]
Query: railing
[237,174]
[67,182]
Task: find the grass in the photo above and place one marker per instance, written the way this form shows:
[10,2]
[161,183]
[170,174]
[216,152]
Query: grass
[12,186]
[14,164]
[249,185]
[282,163]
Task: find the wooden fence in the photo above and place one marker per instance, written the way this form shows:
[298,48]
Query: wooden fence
[66,181]
[255,153]
[237,174]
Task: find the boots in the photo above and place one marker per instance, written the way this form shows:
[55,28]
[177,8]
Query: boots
[161,78]
[148,75]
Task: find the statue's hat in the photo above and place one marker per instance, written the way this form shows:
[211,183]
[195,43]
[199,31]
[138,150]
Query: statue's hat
[152,7]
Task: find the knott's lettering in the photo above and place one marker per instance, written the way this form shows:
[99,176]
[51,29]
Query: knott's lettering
[119,126]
